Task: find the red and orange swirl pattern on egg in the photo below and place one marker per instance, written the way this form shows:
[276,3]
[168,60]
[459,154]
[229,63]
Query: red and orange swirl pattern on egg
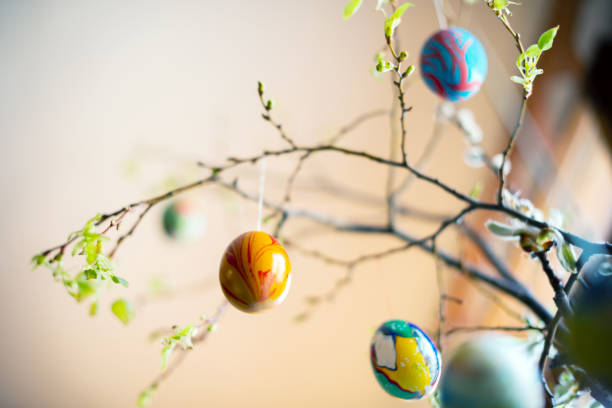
[255,272]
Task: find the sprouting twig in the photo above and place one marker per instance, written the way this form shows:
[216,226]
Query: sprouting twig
[203,331]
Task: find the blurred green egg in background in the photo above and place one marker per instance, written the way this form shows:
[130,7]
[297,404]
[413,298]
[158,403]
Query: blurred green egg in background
[184,221]
[491,371]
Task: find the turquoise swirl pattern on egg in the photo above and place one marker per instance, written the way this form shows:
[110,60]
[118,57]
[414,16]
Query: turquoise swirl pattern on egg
[453,64]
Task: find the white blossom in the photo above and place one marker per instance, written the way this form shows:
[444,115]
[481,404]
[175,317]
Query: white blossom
[496,162]
[474,156]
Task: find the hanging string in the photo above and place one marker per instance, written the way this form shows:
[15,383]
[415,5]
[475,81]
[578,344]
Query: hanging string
[440,14]
[262,182]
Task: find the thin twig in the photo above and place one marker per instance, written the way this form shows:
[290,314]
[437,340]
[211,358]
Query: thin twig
[267,116]
[294,173]
[493,328]
[204,330]
[486,250]
[561,299]
[501,173]
[355,123]
[131,231]
[421,163]
[441,297]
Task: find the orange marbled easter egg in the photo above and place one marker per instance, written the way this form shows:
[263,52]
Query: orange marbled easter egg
[255,272]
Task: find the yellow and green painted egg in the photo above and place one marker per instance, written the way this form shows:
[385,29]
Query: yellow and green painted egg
[405,361]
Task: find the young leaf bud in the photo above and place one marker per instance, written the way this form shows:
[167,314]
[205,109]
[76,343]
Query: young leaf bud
[408,71]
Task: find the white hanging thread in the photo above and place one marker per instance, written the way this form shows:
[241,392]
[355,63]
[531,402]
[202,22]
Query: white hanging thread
[440,13]
[262,182]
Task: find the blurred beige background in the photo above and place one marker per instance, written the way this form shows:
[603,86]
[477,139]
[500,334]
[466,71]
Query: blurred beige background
[107,102]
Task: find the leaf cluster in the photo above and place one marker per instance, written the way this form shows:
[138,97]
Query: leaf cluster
[528,60]
[182,338]
[97,267]
[501,6]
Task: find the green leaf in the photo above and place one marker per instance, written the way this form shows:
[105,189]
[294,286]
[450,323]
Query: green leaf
[166,351]
[124,310]
[38,260]
[90,274]
[500,4]
[104,263]
[501,230]
[84,289]
[119,280]
[351,8]
[146,396]
[545,41]
[91,250]
[566,257]
[533,51]
[186,331]
[395,19]
[93,309]
[78,247]
[476,190]
[519,61]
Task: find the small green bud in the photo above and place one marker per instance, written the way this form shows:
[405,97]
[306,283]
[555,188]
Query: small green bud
[38,260]
[260,88]
[408,71]
[269,105]
[403,55]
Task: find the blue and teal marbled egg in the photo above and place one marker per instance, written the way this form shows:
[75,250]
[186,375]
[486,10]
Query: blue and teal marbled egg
[405,361]
[453,64]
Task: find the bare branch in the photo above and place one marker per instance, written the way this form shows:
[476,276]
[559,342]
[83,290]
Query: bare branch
[355,123]
[500,172]
[493,328]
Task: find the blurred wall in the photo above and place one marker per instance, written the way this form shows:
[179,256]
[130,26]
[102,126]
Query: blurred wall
[104,103]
